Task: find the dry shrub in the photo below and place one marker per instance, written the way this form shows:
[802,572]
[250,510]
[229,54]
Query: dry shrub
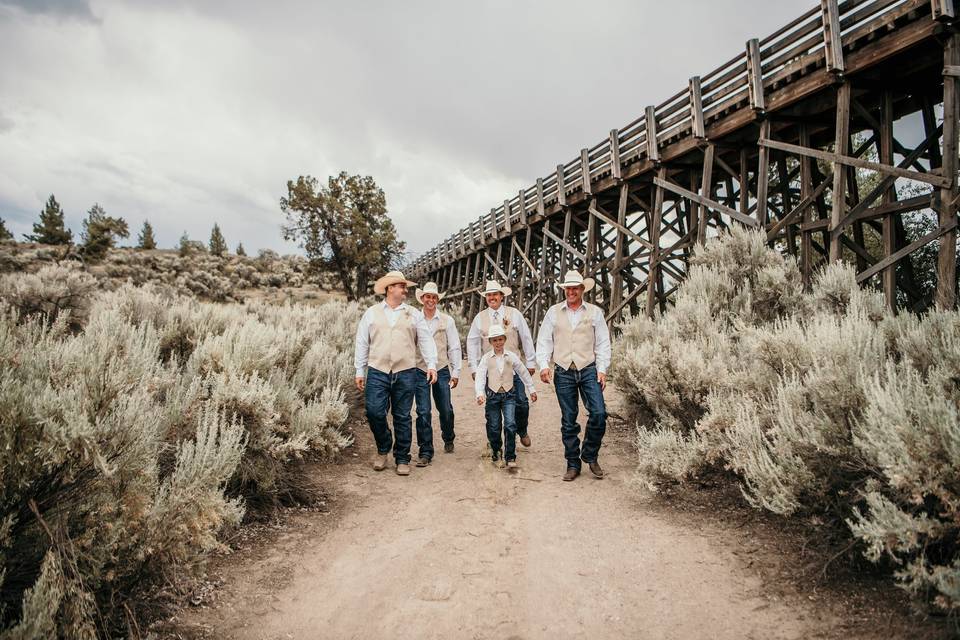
[819,404]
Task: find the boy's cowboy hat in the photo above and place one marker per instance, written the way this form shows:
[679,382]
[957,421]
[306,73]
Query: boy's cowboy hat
[493,286]
[430,287]
[496,331]
[574,279]
[392,277]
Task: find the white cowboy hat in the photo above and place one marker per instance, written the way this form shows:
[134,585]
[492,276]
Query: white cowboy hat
[430,287]
[393,277]
[496,331]
[574,279]
[494,287]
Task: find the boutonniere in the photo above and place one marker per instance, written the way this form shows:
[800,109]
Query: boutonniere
[506,323]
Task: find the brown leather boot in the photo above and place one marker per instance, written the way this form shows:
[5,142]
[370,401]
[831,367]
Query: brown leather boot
[571,474]
[380,462]
[423,461]
[525,440]
[595,469]
[403,469]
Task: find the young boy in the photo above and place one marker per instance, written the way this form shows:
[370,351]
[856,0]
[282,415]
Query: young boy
[494,385]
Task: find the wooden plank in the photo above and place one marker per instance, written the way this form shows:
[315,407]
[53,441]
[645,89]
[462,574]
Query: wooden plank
[892,259]
[755,75]
[563,243]
[831,36]
[885,156]
[706,189]
[523,206]
[763,176]
[524,257]
[946,297]
[696,108]
[797,211]
[943,10]
[496,267]
[540,196]
[619,227]
[653,147]
[841,142]
[585,171]
[561,187]
[616,170]
[654,268]
[707,202]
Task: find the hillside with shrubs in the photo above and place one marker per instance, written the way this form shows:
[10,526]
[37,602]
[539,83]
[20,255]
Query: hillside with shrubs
[191,270]
[821,405]
[141,425]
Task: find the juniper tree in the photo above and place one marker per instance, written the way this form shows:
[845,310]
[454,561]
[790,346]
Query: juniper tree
[146,240]
[240,251]
[343,227]
[4,232]
[218,245]
[50,228]
[188,246]
[100,233]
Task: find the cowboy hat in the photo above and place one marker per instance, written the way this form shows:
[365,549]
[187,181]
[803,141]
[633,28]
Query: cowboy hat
[496,331]
[494,287]
[393,277]
[574,279]
[430,287]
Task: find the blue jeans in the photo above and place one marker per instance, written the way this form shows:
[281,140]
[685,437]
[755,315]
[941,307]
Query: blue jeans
[499,409]
[568,383]
[523,406]
[441,396]
[394,390]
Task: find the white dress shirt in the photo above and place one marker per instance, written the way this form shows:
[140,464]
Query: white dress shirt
[428,348]
[480,382]
[475,346]
[601,339]
[454,353]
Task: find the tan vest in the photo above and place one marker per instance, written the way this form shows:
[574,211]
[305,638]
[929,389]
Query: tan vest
[497,379]
[392,348]
[440,337]
[513,334]
[574,346]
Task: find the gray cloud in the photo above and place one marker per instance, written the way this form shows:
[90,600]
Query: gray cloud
[195,112]
[61,8]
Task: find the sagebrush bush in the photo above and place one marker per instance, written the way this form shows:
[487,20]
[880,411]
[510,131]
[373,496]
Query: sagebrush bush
[819,403]
[138,425]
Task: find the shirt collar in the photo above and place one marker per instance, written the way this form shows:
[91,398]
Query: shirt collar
[566,305]
[389,308]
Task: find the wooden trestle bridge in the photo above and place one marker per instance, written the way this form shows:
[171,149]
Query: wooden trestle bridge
[847,90]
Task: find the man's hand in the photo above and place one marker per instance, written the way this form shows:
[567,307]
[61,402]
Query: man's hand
[360,383]
[480,400]
[531,370]
[545,375]
[533,397]
[602,379]
[454,382]
[431,375]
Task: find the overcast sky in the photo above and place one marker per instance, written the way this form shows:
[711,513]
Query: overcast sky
[188,113]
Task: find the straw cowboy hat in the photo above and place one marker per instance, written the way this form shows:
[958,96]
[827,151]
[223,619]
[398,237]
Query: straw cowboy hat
[574,279]
[393,277]
[494,286]
[496,331]
[430,287]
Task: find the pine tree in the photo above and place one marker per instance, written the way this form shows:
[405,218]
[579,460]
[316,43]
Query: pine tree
[100,233]
[218,245]
[184,248]
[50,229]
[5,233]
[240,251]
[146,240]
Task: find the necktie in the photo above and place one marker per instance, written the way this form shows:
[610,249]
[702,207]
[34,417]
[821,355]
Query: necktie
[496,317]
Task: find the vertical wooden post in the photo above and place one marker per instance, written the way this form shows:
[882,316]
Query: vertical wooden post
[831,36]
[841,143]
[706,190]
[696,109]
[591,248]
[744,182]
[561,187]
[806,189]
[755,76]
[617,294]
[653,148]
[540,196]
[654,231]
[566,258]
[889,228]
[523,206]
[946,296]
[786,202]
[763,175]
[584,173]
[615,168]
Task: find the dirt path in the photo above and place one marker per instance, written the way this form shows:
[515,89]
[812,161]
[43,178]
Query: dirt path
[463,550]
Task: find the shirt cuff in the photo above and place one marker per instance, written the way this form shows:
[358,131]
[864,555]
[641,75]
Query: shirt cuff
[543,365]
[432,365]
[362,373]
[601,369]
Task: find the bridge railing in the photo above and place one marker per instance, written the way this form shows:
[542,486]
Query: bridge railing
[811,41]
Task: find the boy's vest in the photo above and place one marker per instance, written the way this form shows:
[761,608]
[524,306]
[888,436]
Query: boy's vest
[497,379]
[440,337]
[513,334]
[392,348]
[574,346]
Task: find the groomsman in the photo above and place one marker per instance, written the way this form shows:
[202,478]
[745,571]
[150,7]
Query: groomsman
[449,358]
[574,336]
[518,334]
[390,336]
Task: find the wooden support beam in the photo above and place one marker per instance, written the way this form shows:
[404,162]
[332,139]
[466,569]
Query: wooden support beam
[655,269]
[797,211]
[523,206]
[943,10]
[946,296]
[755,76]
[496,267]
[616,170]
[696,109]
[706,189]
[841,142]
[831,36]
[561,187]
[540,197]
[763,175]
[707,202]
[585,171]
[653,147]
[594,212]
[563,243]
[892,259]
